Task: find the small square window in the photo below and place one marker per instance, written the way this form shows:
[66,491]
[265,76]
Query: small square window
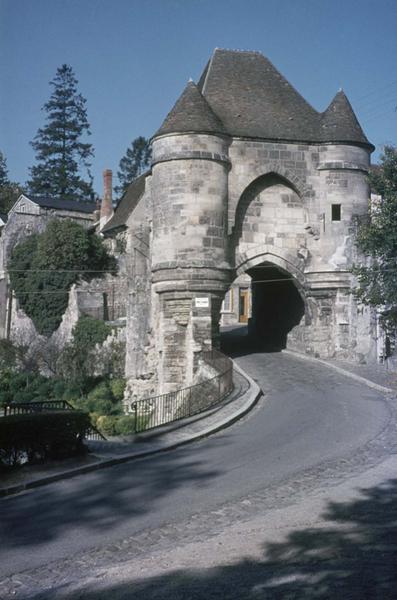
[335,212]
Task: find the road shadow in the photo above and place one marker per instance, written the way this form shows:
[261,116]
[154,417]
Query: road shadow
[236,341]
[101,500]
[350,555]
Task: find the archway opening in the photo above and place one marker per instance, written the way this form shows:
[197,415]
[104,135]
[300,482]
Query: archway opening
[277,306]
[260,310]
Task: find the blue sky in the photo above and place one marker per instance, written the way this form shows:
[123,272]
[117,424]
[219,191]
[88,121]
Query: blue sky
[133,58]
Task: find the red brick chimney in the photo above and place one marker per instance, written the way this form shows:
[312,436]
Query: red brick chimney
[106,204]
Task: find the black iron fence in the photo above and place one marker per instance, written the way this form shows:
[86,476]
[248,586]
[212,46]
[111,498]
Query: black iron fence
[162,409]
[20,408]
[189,401]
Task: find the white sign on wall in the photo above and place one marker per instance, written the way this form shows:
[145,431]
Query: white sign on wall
[202,302]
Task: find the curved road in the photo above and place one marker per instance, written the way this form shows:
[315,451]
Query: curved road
[314,427]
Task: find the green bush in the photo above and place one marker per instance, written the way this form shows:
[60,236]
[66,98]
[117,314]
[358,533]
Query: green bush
[88,332]
[8,355]
[24,387]
[116,425]
[39,436]
[106,424]
[99,397]
[102,400]
[28,387]
[125,425]
[118,387]
[77,361]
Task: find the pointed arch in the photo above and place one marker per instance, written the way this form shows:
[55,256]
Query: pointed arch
[257,186]
[283,259]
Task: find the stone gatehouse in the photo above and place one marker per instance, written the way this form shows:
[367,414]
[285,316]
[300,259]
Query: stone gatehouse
[247,180]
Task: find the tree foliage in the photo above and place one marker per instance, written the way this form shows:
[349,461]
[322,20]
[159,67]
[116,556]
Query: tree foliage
[377,239]
[78,360]
[9,190]
[61,151]
[135,161]
[3,171]
[44,266]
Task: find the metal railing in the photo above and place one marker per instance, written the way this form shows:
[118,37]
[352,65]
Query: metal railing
[157,410]
[20,408]
[189,401]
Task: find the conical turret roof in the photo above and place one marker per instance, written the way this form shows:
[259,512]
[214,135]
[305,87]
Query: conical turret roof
[191,112]
[241,93]
[340,124]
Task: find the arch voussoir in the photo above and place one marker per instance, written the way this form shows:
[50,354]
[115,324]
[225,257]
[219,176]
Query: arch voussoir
[264,253]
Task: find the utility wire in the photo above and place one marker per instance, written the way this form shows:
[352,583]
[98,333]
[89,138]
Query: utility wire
[375,102]
[377,90]
[126,277]
[374,109]
[252,282]
[392,104]
[58,271]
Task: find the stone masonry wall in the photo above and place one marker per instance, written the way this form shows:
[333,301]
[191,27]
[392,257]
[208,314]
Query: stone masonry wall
[217,207]
[264,222]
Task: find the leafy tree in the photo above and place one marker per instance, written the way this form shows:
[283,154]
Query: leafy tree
[60,149]
[134,163]
[43,267]
[377,239]
[9,190]
[78,360]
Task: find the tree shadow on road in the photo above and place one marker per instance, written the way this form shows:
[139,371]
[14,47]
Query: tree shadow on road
[352,554]
[103,500]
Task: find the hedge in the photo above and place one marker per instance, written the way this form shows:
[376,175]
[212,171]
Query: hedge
[35,437]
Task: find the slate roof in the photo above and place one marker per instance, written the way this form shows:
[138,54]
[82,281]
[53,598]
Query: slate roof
[251,98]
[191,113]
[64,204]
[127,204]
[340,123]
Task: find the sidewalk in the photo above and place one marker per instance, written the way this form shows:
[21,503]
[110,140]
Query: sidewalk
[105,454]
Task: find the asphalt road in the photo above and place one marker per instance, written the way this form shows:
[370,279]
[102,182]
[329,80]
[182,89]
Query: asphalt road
[314,426]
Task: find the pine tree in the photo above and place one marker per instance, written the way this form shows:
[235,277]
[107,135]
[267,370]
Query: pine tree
[134,163]
[3,171]
[61,152]
[9,191]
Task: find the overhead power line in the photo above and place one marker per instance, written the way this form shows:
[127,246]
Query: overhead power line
[376,101]
[373,109]
[86,271]
[375,116]
[377,90]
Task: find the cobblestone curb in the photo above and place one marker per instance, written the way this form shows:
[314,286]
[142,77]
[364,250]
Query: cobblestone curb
[225,417]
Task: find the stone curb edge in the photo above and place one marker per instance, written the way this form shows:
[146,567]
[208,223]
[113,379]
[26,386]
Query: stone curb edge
[254,393]
[368,382]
